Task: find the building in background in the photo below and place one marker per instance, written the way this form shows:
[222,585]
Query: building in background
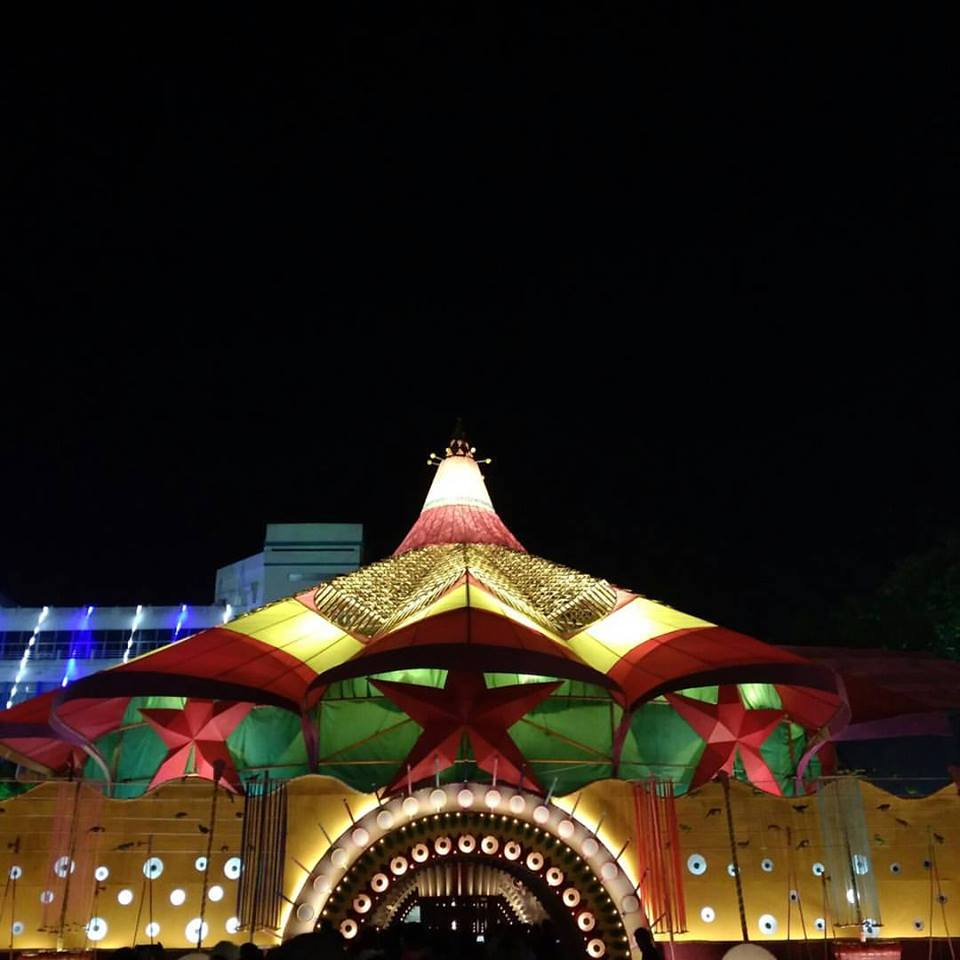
[45,648]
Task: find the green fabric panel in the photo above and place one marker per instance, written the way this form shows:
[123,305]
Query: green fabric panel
[660,743]
[363,742]
[704,694]
[269,738]
[132,713]
[133,755]
[760,696]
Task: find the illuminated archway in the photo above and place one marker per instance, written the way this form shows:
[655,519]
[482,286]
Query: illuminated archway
[574,875]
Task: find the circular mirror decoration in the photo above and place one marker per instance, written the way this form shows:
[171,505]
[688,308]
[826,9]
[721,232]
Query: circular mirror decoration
[609,870]
[767,924]
[535,861]
[895,868]
[766,865]
[586,921]
[708,914]
[697,864]
[63,867]
[362,903]
[420,853]
[379,882]
[596,948]
[571,897]
[467,843]
[820,924]
[360,837]
[443,845]
[305,912]
[794,896]
[152,868]
[731,870]
[861,865]
[512,850]
[17,928]
[200,864]
[490,845]
[398,866]
[101,874]
[96,929]
[16,872]
[348,928]
[554,876]
[818,870]
[232,926]
[195,930]
[46,896]
[918,923]
[232,868]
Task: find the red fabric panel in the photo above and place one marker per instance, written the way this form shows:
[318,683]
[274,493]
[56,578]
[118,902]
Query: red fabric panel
[232,657]
[673,659]
[458,523]
[809,707]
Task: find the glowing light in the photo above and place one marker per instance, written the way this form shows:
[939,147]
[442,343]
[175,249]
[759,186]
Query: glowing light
[215,893]
[64,866]
[380,882]
[25,658]
[586,921]
[232,868]
[96,929]
[133,632]
[178,897]
[182,616]
[571,897]
[232,926]
[152,868]
[125,897]
[227,612]
[152,929]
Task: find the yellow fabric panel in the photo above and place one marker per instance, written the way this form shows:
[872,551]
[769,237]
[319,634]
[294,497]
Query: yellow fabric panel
[297,630]
[250,623]
[334,654]
[305,626]
[604,642]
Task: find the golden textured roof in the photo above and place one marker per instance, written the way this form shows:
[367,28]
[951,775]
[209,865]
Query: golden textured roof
[374,599]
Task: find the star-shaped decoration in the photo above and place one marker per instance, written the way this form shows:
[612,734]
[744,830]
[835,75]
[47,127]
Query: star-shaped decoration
[201,727]
[465,707]
[728,727]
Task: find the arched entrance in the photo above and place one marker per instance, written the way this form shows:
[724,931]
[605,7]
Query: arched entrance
[469,853]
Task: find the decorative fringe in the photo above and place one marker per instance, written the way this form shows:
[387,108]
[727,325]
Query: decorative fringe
[260,894]
[658,856]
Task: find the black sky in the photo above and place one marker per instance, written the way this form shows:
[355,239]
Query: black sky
[688,275]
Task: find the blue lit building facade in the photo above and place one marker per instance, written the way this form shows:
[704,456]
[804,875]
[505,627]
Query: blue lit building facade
[44,648]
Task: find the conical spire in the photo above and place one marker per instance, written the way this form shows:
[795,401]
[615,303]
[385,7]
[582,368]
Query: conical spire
[458,508]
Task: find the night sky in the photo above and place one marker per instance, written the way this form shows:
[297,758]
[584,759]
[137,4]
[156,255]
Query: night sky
[675,268]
